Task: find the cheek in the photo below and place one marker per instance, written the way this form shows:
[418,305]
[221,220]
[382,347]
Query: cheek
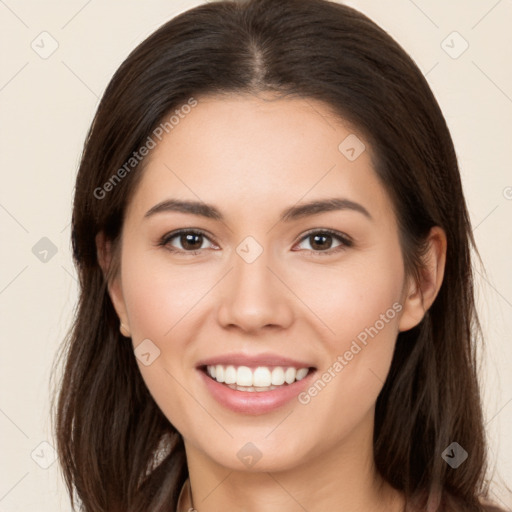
[160,301]
[353,295]
[160,295]
[360,306]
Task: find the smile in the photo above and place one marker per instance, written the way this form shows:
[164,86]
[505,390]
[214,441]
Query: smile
[259,379]
[254,384]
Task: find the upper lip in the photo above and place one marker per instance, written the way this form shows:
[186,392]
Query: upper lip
[265,359]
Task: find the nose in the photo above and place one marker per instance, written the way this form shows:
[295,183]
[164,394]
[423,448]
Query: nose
[254,296]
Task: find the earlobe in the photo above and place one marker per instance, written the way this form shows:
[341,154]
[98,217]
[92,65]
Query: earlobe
[420,295]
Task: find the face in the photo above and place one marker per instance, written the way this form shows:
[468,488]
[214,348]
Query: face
[300,305]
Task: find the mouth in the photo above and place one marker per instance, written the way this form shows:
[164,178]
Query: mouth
[255,379]
[254,383]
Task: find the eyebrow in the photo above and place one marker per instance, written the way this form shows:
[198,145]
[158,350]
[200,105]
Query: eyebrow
[289,214]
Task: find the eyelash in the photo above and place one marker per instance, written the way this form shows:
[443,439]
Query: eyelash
[344,239]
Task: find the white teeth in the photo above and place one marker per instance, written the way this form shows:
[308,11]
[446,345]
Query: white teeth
[219,373]
[301,373]
[278,376]
[289,375]
[243,376]
[230,375]
[251,389]
[261,378]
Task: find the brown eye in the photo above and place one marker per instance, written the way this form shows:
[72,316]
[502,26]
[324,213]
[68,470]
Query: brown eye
[321,242]
[190,241]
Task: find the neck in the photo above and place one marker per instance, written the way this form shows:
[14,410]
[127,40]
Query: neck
[343,479]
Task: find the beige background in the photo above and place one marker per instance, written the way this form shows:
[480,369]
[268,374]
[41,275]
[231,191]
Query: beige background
[46,106]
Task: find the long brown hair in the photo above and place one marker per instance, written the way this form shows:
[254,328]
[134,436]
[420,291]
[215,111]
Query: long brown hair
[117,450]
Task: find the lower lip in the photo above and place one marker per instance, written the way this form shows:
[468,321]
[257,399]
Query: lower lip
[255,402]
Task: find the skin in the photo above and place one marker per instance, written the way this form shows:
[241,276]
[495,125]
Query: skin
[252,157]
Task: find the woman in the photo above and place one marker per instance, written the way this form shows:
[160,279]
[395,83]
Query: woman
[275,277]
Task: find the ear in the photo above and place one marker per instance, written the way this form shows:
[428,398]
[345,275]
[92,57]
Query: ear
[105,258]
[420,296]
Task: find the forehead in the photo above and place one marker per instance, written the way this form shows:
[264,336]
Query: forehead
[246,151]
